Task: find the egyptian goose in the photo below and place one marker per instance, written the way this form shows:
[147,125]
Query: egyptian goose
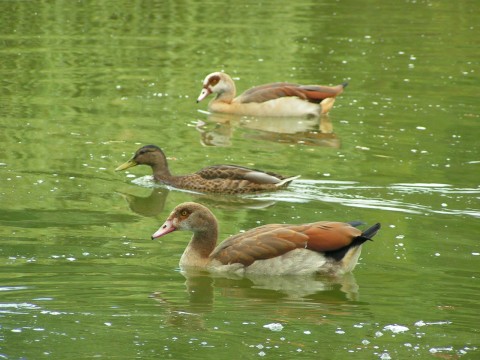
[225,179]
[276,99]
[276,249]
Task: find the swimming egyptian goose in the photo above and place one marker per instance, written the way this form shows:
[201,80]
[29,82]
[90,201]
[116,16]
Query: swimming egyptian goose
[275,249]
[276,99]
[225,179]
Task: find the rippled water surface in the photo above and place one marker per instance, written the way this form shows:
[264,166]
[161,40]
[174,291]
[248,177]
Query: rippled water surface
[84,85]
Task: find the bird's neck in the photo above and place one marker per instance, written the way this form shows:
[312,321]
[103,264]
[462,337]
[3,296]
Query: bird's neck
[205,241]
[228,92]
[161,172]
[200,247]
[226,97]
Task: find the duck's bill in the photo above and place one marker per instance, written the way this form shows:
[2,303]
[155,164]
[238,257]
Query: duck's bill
[203,94]
[130,163]
[166,228]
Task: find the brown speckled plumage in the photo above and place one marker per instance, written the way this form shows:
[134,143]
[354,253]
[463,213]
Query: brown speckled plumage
[334,240]
[225,179]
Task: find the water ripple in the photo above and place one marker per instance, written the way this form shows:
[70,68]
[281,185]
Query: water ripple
[411,198]
[389,198]
[432,188]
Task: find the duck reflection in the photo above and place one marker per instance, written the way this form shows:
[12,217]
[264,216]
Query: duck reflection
[189,314]
[277,294]
[154,203]
[276,287]
[219,129]
[150,205]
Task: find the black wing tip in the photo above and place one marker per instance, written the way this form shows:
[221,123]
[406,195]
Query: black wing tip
[371,231]
[359,240]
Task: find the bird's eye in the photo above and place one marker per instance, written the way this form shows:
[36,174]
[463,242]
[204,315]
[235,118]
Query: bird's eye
[184,213]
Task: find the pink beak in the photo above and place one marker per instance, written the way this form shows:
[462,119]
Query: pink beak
[166,228]
[203,94]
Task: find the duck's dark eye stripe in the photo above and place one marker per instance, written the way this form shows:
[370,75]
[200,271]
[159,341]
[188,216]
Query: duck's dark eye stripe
[144,151]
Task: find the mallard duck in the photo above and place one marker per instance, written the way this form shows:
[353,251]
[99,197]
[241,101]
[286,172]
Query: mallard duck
[275,249]
[226,179]
[276,99]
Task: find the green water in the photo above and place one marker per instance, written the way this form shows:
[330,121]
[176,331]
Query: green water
[84,84]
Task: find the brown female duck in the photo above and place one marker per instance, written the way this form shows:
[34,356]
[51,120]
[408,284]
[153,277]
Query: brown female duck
[226,179]
[276,99]
[274,249]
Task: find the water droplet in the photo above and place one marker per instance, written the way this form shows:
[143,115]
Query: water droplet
[396,328]
[274,327]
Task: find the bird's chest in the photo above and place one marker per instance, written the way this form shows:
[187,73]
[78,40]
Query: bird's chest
[191,258]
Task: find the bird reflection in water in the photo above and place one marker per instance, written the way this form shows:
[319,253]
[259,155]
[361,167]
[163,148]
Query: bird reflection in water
[278,287]
[219,130]
[276,293]
[154,203]
[150,205]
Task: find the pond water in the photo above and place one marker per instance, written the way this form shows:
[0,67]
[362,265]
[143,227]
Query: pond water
[85,84]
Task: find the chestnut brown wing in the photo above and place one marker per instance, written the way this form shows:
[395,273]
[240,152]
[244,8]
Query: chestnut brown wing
[316,93]
[273,91]
[273,240]
[261,243]
[329,235]
[312,93]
